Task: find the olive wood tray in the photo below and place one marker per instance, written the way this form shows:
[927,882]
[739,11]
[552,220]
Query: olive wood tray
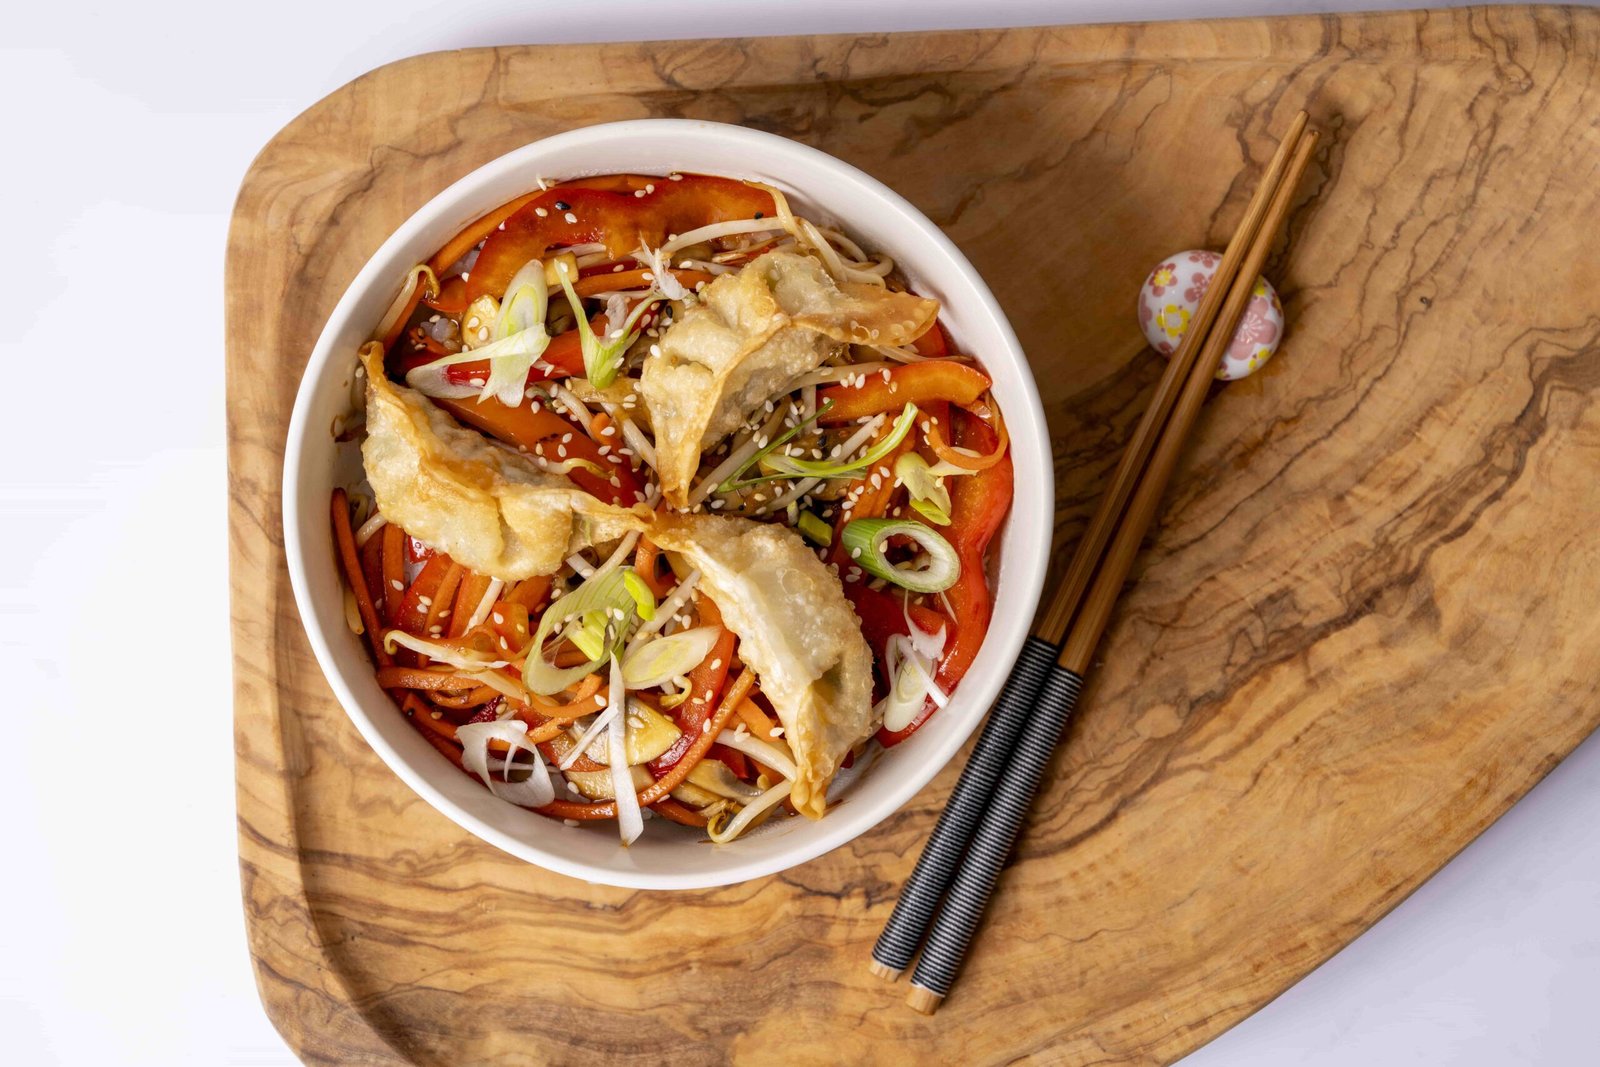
[1364,626]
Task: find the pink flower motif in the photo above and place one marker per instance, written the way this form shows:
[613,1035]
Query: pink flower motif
[1205,259]
[1201,281]
[1256,329]
[1145,314]
[1163,278]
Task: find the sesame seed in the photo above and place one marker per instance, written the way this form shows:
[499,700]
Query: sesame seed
[570,217]
[445,614]
[435,714]
[499,619]
[716,664]
[396,583]
[541,212]
[777,731]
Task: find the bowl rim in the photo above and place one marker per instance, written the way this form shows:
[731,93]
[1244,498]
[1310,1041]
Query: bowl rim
[1025,420]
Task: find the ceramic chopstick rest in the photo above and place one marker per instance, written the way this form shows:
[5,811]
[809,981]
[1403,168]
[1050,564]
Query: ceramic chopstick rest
[1171,295]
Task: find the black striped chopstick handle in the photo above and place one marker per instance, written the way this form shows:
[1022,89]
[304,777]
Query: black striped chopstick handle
[919,900]
[974,883]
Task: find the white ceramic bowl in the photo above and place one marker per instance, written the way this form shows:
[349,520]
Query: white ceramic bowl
[821,187]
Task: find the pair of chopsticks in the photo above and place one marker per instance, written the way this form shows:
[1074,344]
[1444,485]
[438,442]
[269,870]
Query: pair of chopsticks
[948,891]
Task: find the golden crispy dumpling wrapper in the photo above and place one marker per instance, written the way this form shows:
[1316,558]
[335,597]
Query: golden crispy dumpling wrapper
[750,334]
[492,510]
[796,631]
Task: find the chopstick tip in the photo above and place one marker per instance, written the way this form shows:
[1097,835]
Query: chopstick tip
[924,1001]
[883,970]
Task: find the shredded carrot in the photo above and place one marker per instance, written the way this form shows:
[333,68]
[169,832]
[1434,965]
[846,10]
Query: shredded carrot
[580,702]
[413,613]
[468,594]
[645,562]
[394,572]
[756,719]
[447,590]
[458,702]
[760,726]
[422,678]
[624,280]
[447,747]
[344,540]
[530,592]
[418,711]
[678,813]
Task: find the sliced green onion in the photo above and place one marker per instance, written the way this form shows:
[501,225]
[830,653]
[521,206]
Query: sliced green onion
[603,610]
[519,340]
[814,529]
[929,497]
[865,540]
[789,467]
[732,481]
[643,598]
[665,658]
[602,360]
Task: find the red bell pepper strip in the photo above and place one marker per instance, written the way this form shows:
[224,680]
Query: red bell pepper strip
[468,239]
[620,220]
[883,614]
[978,505]
[932,343]
[912,383]
[526,428]
[705,685]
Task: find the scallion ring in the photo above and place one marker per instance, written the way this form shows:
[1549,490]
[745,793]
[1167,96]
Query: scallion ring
[866,539]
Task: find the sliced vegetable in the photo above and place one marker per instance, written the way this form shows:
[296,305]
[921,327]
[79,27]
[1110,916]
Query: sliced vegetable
[723,829]
[929,497]
[602,360]
[608,210]
[978,506]
[909,662]
[419,280]
[790,467]
[913,383]
[650,733]
[535,791]
[519,340]
[865,540]
[736,480]
[814,529]
[448,653]
[630,822]
[659,661]
[605,597]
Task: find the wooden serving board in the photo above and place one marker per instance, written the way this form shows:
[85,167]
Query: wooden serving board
[1365,626]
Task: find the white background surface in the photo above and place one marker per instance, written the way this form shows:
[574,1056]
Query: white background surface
[130,127]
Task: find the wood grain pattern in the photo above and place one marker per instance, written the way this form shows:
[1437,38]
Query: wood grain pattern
[1364,627]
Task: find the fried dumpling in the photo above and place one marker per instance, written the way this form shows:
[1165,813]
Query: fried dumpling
[796,631]
[750,334]
[492,510]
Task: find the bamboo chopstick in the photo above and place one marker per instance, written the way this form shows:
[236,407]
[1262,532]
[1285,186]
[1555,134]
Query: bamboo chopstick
[969,893]
[919,899]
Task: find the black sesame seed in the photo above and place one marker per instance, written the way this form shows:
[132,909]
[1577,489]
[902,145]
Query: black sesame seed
[562,205]
[761,214]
